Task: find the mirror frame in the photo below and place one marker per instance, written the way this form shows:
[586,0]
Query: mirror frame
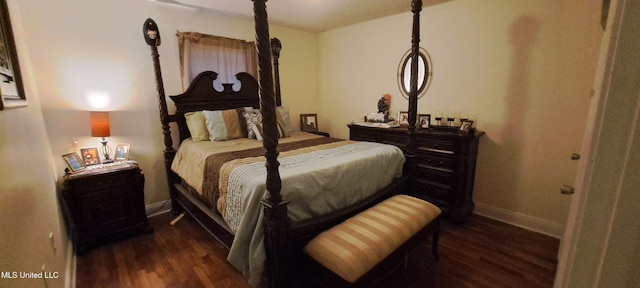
[404,73]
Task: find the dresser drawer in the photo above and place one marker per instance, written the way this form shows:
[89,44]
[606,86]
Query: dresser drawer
[435,178]
[400,140]
[437,146]
[436,163]
[363,135]
[438,196]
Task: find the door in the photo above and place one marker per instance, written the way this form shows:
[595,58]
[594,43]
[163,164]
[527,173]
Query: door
[600,247]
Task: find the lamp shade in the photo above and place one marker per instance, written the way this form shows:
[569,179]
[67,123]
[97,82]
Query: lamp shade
[100,124]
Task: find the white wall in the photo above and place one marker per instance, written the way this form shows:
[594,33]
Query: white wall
[80,46]
[524,68]
[28,198]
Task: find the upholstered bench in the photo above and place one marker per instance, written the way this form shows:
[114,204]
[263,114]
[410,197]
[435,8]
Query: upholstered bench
[369,244]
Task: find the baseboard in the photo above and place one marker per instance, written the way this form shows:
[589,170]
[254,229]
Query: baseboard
[70,273]
[521,220]
[158,208]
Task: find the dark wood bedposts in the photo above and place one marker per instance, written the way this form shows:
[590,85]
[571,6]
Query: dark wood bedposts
[276,46]
[152,37]
[276,220]
[416,7]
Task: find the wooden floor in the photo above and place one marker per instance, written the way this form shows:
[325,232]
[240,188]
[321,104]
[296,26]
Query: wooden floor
[480,253]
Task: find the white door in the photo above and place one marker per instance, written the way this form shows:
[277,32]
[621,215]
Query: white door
[601,246]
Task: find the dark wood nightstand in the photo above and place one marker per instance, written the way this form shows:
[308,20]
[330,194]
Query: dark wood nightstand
[104,203]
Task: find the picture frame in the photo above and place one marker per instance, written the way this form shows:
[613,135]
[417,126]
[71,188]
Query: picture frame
[122,152]
[74,162]
[424,120]
[465,126]
[403,118]
[90,156]
[309,122]
[11,86]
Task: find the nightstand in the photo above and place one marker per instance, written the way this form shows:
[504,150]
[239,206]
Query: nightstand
[104,203]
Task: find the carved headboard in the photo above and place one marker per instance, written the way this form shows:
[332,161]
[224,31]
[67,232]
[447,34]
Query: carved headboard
[201,95]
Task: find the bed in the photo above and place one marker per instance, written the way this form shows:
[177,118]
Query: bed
[278,193]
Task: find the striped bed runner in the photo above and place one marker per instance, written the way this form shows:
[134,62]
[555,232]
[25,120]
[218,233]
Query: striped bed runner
[355,246]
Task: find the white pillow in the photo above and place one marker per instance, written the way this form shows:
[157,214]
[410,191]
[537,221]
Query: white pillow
[223,124]
[284,115]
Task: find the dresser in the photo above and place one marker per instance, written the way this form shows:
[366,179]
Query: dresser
[441,164]
[104,203]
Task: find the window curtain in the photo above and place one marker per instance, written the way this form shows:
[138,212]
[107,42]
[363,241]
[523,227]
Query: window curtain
[225,56]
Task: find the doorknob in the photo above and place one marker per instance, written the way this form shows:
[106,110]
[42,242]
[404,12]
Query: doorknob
[575,156]
[567,189]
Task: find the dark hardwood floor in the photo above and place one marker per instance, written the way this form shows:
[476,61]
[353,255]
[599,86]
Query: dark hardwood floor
[480,253]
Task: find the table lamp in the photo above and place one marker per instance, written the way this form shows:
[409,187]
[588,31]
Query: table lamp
[100,128]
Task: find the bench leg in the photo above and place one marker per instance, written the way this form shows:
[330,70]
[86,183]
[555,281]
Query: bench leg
[434,246]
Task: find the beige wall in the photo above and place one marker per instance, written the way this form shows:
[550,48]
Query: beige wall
[28,198]
[83,46]
[524,68]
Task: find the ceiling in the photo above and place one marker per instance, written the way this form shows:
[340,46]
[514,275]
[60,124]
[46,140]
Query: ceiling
[306,15]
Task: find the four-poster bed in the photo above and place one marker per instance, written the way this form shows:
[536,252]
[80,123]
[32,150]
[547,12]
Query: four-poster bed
[283,238]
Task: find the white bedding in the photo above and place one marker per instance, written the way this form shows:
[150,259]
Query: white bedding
[315,183]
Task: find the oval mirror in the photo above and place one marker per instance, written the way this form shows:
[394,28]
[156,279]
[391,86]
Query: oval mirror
[425,71]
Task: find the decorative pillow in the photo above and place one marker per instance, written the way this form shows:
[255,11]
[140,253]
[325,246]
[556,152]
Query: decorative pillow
[254,126]
[253,121]
[197,126]
[223,124]
[283,113]
[243,125]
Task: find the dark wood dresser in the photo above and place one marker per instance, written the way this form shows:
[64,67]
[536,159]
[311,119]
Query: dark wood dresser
[104,203]
[441,163]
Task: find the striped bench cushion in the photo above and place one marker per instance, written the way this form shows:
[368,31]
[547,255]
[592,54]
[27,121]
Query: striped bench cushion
[356,245]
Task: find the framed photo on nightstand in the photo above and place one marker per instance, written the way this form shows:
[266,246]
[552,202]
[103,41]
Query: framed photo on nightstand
[122,152]
[90,156]
[309,122]
[74,162]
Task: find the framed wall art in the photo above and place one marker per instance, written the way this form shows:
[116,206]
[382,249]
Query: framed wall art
[74,162]
[90,156]
[122,152]
[11,86]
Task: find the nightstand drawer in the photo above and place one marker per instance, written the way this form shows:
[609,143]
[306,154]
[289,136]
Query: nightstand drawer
[436,163]
[437,146]
[107,182]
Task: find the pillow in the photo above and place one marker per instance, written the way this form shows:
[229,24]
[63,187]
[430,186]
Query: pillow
[283,113]
[223,124]
[243,125]
[197,126]
[254,126]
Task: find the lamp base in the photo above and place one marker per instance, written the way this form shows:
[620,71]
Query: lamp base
[105,161]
